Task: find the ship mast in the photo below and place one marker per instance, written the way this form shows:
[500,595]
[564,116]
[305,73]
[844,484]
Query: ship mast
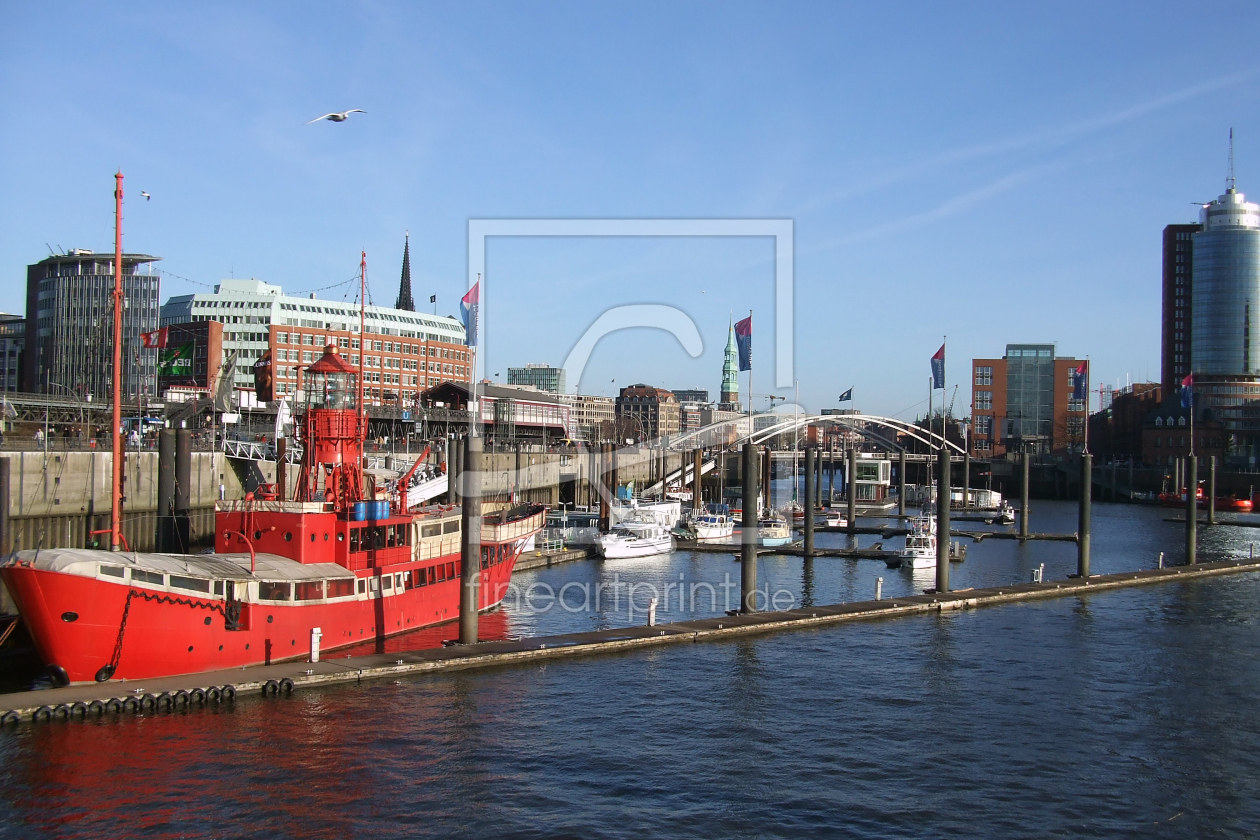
[115,509]
[362,345]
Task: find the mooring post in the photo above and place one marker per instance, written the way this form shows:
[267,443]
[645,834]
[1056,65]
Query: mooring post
[851,483]
[901,483]
[6,540]
[282,478]
[1083,517]
[879,588]
[697,466]
[605,473]
[1023,498]
[1211,493]
[966,499]
[748,557]
[183,489]
[1192,510]
[809,501]
[942,520]
[454,464]
[470,540]
[165,540]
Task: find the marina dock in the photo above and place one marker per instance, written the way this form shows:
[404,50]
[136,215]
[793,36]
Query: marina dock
[195,690]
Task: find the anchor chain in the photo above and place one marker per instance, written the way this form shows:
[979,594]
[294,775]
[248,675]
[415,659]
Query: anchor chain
[107,671]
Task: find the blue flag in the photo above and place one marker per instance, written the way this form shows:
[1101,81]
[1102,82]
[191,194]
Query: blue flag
[1080,383]
[846,396]
[743,338]
[938,368]
[1187,391]
[470,309]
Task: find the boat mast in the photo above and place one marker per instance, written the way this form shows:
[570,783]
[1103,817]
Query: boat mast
[362,345]
[115,508]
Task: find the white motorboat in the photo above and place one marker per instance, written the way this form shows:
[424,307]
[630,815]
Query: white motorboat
[835,520]
[1006,516]
[920,550]
[634,538]
[664,513]
[712,526]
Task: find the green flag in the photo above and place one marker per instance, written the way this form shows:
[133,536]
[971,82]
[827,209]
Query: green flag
[176,361]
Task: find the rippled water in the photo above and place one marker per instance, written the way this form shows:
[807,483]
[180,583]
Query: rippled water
[1130,713]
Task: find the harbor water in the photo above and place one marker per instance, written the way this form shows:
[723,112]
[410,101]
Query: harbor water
[1126,713]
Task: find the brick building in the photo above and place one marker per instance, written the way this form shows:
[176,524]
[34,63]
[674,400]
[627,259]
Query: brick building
[653,413]
[394,368]
[1024,401]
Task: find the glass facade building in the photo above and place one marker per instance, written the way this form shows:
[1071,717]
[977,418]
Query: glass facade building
[1225,338]
[542,377]
[70,324]
[1030,391]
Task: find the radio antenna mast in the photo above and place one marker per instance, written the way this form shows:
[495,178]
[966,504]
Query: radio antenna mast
[1229,179]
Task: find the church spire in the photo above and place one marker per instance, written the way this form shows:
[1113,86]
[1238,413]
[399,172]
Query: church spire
[404,285]
[730,374]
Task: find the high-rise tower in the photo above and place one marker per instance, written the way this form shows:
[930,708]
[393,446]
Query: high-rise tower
[1225,316]
[730,375]
[404,285]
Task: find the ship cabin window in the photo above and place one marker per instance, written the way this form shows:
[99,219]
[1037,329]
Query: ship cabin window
[340,587]
[141,576]
[441,572]
[272,590]
[487,556]
[434,530]
[218,587]
[362,586]
[387,582]
[451,571]
[354,540]
[309,590]
[113,571]
[195,584]
[398,581]
[451,526]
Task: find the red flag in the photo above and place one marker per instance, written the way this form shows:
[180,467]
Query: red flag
[157,338]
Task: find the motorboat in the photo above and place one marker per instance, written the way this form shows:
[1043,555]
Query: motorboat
[920,548]
[634,538]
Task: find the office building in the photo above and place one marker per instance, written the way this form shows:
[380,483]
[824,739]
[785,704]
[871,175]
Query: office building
[12,340]
[70,324]
[543,377]
[652,413]
[1023,402]
[692,396]
[1225,322]
[593,416]
[1178,287]
[407,351]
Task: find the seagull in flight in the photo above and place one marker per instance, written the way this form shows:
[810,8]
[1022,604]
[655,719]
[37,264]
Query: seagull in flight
[338,117]
[146,195]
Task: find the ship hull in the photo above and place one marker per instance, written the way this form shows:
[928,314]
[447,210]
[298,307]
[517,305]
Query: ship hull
[176,633]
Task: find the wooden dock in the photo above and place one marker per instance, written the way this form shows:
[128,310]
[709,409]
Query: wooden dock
[187,693]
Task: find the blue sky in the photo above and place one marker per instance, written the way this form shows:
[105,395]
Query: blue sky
[995,173]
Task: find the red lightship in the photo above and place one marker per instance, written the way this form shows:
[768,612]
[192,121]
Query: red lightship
[333,567]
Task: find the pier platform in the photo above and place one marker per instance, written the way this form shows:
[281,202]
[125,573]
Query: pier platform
[186,693]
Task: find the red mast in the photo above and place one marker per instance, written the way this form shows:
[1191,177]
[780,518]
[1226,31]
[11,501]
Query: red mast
[115,509]
[362,341]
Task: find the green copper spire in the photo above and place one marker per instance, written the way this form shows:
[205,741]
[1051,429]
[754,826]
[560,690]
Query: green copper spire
[730,372]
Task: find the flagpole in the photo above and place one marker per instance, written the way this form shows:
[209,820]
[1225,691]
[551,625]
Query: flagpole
[944,354]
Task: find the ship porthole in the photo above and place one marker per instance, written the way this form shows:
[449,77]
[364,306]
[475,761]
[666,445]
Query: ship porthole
[325,537]
[190,648]
[258,535]
[69,616]
[247,646]
[220,647]
[288,536]
[270,618]
[207,621]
